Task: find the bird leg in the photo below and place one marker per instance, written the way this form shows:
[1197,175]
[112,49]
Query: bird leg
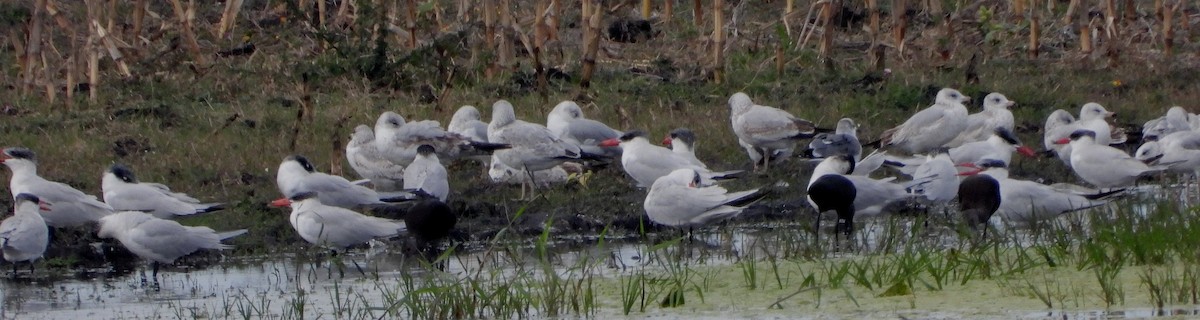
[766,160]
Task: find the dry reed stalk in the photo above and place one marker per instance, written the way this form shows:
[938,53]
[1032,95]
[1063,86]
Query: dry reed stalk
[1110,18]
[1034,30]
[93,55]
[343,13]
[899,23]
[139,15]
[593,13]
[1085,37]
[1018,8]
[718,41]
[64,24]
[646,9]
[1130,11]
[48,80]
[698,13]
[1069,18]
[1168,17]
[553,13]
[229,17]
[826,30]
[111,14]
[338,152]
[411,24]
[71,65]
[539,35]
[320,13]
[669,9]
[33,48]
[113,52]
[185,26]
[489,35]
[507,53]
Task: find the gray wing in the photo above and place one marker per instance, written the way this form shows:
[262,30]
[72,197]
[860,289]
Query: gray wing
[590,132]
[24,233]
[167,239]
[827,145]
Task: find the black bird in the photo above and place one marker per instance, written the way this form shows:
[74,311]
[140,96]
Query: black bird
[835,192]
[978,199]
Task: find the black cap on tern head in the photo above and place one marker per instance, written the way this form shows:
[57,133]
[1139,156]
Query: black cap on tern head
[629,135]
[308,166]
[1007,135]
[425,150]
[20,153]
[303,196]
[1081,133]
[27,197]
[122,172]
[684,134]
[992,163]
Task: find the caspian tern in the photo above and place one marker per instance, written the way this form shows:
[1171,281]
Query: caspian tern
[999,146]
[683,142]
[932,127]
[1023,202]
[124,192]
[567,122]
[766,129]
[1180,151]
[680,200]
[844,141]
[501,173]
[1060,124]
[872,196]
[369,163]
[398,140]
[160,240]
[1104,166]
[426,174]
[24,236]
[533,147]
[297,175]
[981,126]
[466,123]
[979,197]
[334,227]
[68,207]
[645,162]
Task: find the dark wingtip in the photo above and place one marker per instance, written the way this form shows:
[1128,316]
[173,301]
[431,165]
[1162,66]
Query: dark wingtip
[303,196]
[489,147]
[750,198]
[27,197]
[1104,195]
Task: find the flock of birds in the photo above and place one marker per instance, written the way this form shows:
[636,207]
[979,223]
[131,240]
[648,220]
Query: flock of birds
[946,153]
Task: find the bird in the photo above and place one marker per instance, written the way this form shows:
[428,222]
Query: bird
[297,175]
[931,127]
[1104,166]
[398,140]
[979,197]
[1060,124]
[24,236]
[567,122]
[1093,117]
[980,126]
[834,192]
[1177,119]
[936,179]
[844,140]
[680,200]
[645,162]
[160,240]
[682,141]
[872,196]
[429,221]
[765,130]
[533,147]
[1023,202]
[501,173]
[426,175]
[1179,149]
[124,192]
[999,146]
[465,122]
[334,227]
[369,163]
[69,206]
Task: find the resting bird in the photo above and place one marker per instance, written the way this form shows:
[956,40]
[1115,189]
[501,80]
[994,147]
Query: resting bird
[369,163]
[679,200]
[69,207]
[567,122]
[160,240]
[124,192]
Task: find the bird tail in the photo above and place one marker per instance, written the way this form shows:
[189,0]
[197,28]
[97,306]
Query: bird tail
[748,197]
[231,234]
[488,146]
[593,156]
[726,175]
[1105,196]
[209,207]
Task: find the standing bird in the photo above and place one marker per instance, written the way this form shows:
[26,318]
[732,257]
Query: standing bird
[69,207]
[124,192]
[978,199]
[843,141]
[566,121]
[398,140]
[160,240]
[682,141]
[369,163]
[1060,124]
[871,196]
[24,236]
[501,173]
[680,200]
[427,175]
[1104,166]
[429,221]
[1024,202]
[765,130]
[297,175]
[646,162]
[932,127]
[533,147]
[334,227]
[936,179]
[980,126]
[837,193]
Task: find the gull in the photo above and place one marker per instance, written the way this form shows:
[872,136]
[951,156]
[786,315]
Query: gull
[533,147]
[24,236]
[1024,202]
[426,174]
[398,140]
[680,200]
[1060,124]
[369,163]
[843,141]
[980,126]
[69,207]
[1180,150]
[936,179]
[1177,119]
[160,240]
[1092,117]
[466,123]
[1104,166]
[297,175]
[682,141]
[932,127]
[334,227]
[764,129]
[501,173]
[124,192]
[645,162]
[872,196]
[567,122]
